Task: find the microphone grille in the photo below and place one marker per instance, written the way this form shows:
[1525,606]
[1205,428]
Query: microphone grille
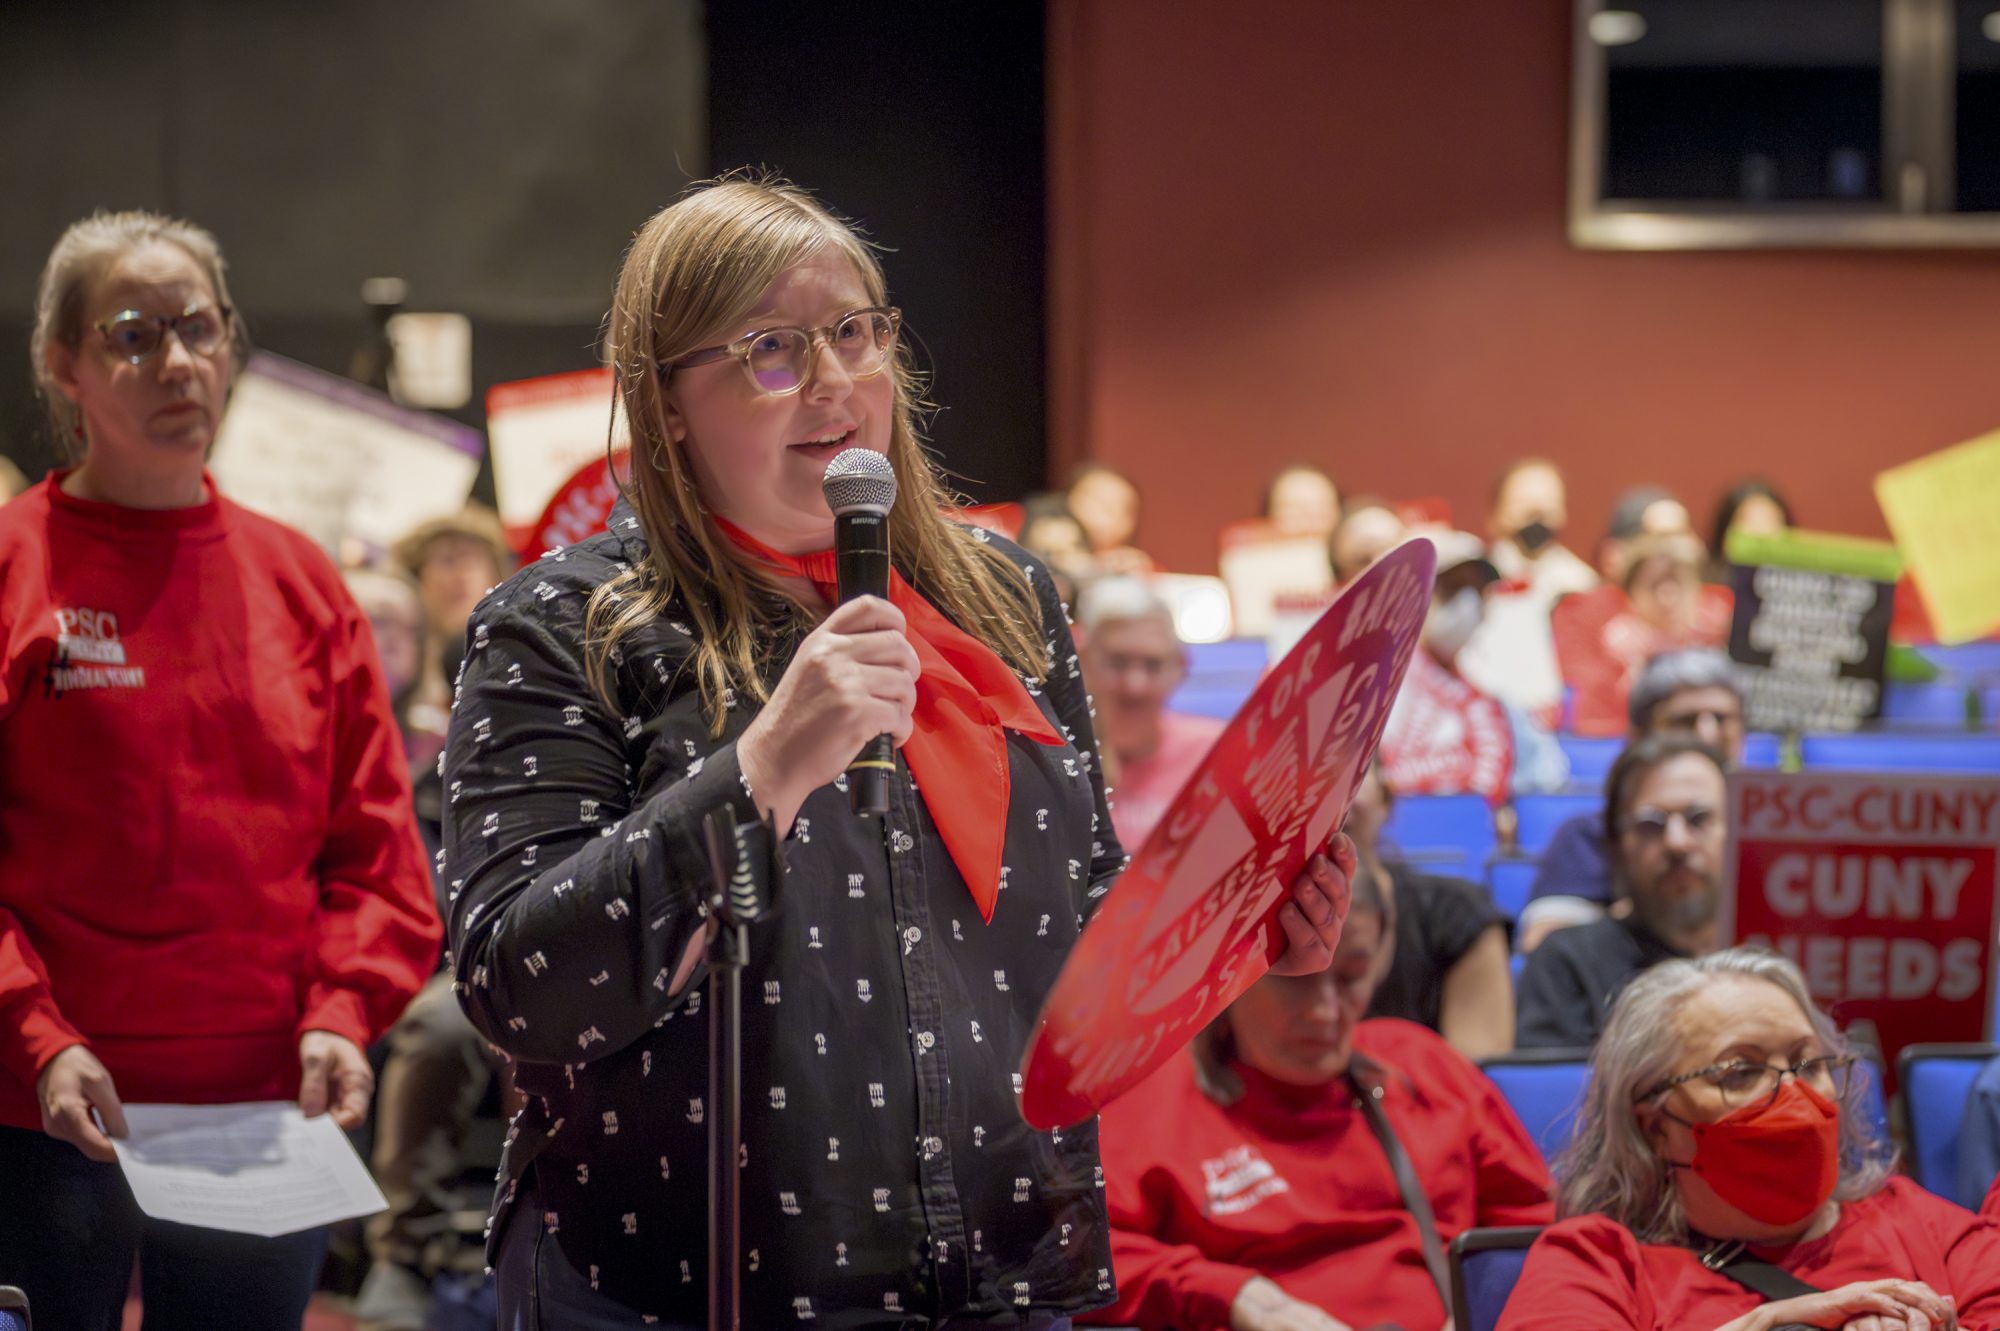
[859,478]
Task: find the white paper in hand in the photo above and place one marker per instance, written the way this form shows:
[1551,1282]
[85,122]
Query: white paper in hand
[260,1168]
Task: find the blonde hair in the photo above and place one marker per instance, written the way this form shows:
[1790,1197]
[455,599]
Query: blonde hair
[1609,1166]
[81,255]
[694,272]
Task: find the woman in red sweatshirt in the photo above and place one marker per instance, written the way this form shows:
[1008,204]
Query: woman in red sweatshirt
[1719,1177]
[1248,1189]
[211,885]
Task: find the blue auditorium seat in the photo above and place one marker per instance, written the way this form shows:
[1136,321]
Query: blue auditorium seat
[1544,1087]
[1509,881]
[1885,751]
[1485,1264]
[1589,758]
[1762,750]
[1936,1078]
[1935,704]
[13,1309]
[1536,817]
[1453,833]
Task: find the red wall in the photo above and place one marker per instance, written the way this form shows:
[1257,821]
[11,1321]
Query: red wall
[1333,230]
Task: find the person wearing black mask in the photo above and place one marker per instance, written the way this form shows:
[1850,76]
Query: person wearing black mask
[1513,656]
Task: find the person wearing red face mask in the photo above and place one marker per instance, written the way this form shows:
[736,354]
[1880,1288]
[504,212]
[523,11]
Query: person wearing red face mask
[1250,1189]
[1721,1176]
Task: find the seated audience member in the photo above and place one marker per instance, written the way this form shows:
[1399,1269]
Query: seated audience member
[1446,737]
[1689,692]
[1751,505]
[1723,1174]
[454,561]
[1645,510]
[1302,501]
[1665,810]
[1525,526]
[1248,1188]
[1132,663]
[397,620]
[1665,606]
[1107,506]
[1050,530]
[1368,529]
[1513,654]
[1979,1141]
[1448,969]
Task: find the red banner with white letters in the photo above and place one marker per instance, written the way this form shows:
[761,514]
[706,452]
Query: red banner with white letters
[1884,888]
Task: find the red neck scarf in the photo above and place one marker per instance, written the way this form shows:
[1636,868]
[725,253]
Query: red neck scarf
[967,699]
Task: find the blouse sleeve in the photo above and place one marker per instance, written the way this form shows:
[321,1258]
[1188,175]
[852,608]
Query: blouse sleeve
[1076,712]
[572,897]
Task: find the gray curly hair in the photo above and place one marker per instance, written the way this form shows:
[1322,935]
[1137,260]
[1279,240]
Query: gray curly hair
[1609,1166]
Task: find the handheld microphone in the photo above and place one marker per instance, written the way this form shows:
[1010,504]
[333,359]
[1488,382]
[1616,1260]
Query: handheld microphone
[860,488]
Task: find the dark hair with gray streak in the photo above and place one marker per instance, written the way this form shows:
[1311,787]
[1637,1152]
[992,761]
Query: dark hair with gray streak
[1609,1167]
[1671,672]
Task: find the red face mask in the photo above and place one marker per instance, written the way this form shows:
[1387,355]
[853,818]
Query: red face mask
[1776,1162]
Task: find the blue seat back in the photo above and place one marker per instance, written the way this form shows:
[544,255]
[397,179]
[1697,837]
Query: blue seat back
[13,1309]
[1590,757]
[1936,1079]
[1545,1089]
[1762,750]
[1934,704]
[1485,1266]
[1509,882]
[1536,817]
[1882,751]
[1454,831]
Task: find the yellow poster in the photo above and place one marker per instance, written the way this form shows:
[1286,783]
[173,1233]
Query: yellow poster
[1945,512]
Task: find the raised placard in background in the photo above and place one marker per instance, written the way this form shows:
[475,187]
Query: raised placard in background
[340,462]
[1945,512]
[543,431]
[1810,630]
[1191,923]
[1881,887]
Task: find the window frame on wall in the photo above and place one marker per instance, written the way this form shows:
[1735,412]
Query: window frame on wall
[1918,160]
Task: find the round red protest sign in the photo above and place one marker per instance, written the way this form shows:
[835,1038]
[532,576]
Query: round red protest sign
[579,507]
[1192,922]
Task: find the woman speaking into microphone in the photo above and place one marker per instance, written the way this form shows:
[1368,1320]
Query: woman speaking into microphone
[617,692]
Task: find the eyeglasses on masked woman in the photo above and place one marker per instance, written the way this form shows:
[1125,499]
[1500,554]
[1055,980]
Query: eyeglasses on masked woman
[1740,1083]
[780,360]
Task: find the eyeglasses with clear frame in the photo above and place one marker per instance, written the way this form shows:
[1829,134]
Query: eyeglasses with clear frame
[779,361]
[133,336]
[1741,1083]
[1653,824]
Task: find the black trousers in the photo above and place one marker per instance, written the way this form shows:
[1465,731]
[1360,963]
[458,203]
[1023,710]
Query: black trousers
[69,1230]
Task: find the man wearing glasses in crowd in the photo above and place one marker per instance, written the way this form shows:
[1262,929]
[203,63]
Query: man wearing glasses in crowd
[1691,691]
[1665,810]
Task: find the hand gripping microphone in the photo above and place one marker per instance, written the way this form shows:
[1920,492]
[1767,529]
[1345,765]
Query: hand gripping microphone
[860,488]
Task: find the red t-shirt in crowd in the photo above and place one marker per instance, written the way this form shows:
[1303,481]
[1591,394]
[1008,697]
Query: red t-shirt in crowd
[1290,1183]
[1445,737]
[206,841]
[1601,646]
[1590,1274]
[1144,788]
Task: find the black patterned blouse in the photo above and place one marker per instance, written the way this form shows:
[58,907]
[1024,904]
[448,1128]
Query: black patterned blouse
[890,1180]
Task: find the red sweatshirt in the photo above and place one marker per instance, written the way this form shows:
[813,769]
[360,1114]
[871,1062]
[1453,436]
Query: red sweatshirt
[1590,1274]
[206,841]
[1289,1183]
[1445,737]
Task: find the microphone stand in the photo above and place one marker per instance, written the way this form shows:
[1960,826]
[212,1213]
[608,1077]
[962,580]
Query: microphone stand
[742,863]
